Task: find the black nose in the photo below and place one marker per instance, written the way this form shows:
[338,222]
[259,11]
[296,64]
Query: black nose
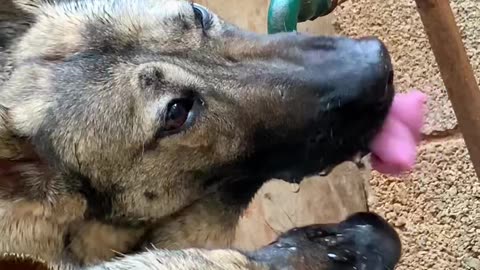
[346,71]
[364,241]
[373,64]
[371,60]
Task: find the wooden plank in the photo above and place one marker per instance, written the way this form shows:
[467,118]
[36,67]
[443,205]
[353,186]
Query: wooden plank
[455,69]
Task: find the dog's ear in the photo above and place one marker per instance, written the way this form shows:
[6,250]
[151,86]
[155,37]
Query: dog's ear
[21,169]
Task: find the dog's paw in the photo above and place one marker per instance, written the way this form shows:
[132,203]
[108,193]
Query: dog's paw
[364,241]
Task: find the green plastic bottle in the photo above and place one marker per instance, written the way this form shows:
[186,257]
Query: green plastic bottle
[284,15]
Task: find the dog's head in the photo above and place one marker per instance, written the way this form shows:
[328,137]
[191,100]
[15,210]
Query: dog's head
[145,106]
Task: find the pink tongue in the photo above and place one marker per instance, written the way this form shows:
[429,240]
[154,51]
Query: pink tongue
[394,149]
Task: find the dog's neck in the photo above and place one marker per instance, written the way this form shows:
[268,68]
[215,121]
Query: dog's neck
[90,241]
[206,223]
[202,225]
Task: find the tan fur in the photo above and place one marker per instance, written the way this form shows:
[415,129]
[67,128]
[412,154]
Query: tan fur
[9,148]
[100,242]
[36,229]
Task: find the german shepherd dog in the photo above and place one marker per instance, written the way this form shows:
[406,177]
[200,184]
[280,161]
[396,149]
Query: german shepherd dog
[133,133]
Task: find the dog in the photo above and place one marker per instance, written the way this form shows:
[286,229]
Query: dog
[133,133]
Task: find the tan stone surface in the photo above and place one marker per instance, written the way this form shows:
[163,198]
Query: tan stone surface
[397,23]
[436,209]
[280,206]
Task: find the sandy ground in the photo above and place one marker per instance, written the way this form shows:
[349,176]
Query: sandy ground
[436,209]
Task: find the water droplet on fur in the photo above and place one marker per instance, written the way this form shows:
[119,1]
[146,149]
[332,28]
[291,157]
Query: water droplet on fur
[326,171]
[332,256]
[295,187]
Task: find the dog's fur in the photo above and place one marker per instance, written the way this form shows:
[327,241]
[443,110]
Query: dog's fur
[88,169]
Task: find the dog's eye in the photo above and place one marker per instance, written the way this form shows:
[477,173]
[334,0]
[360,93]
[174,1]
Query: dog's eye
[203,16]
[177,114]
